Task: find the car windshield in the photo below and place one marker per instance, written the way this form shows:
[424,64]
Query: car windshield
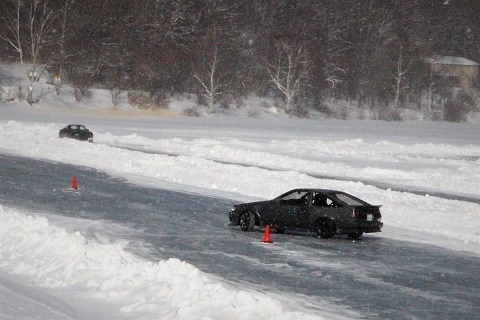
[78,128]
[296,195]
[351,201]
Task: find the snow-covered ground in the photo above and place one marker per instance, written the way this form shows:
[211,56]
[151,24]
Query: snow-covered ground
[49,273]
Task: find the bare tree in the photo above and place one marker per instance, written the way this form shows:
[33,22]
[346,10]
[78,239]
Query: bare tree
[63,37]
[209,78]
[29,27]
[116,94]
[399,76]
[173,21]
[214,49]
[374,51]
[288,69]
[431,90]
[333,21]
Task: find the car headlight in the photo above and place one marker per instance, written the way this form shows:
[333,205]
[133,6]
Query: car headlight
[231,214]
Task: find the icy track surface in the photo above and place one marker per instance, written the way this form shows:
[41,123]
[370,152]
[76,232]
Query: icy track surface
[198,164]
[242,160]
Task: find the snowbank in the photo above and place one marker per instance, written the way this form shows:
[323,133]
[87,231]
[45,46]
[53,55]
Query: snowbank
[170,289]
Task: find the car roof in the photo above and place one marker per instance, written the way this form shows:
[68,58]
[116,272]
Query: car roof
[77,127]
[317,190]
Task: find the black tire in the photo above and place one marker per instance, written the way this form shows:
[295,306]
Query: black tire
[247,221]
[355,235]
[325,228]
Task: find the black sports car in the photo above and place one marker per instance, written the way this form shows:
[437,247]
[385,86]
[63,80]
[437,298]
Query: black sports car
[326,212]
[76,131]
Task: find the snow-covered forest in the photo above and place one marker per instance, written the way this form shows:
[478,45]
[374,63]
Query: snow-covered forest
[367,53]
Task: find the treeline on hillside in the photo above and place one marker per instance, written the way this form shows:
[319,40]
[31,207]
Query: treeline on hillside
[369,52]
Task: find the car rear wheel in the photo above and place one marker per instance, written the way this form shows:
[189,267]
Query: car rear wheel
[325,228]
[247,221]
[355,235]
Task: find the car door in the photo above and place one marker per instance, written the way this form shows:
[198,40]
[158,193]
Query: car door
[323,206]
[290,211]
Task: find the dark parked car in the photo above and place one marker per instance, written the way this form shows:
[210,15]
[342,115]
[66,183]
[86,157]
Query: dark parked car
[76,131]
[326,212]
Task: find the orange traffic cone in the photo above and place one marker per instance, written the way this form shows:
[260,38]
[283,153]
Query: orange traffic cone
[266,235]
[74,183]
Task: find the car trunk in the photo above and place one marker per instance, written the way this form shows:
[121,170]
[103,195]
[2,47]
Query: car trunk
[367,213]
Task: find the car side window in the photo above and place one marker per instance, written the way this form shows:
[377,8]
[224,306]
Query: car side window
[321,200]
[297,198]
[350,200]
[331,203]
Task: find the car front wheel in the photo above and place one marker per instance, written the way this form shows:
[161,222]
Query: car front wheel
[325,228]
[247,221]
